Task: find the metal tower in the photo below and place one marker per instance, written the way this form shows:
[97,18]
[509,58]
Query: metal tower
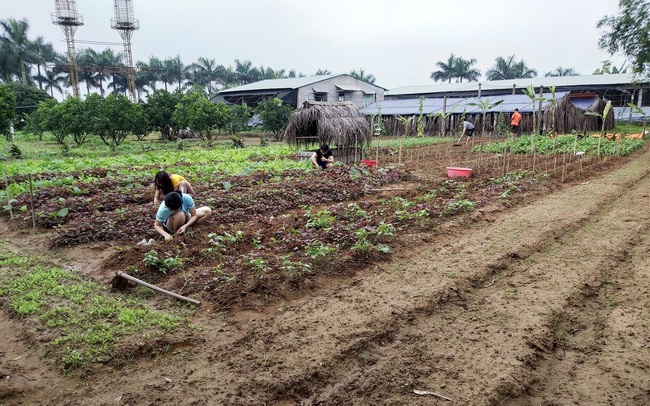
[68,19]
[125,24]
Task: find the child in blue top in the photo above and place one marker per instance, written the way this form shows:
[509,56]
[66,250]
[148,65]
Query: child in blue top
[177,213]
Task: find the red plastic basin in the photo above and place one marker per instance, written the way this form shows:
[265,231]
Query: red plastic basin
[454,172]
[369,162]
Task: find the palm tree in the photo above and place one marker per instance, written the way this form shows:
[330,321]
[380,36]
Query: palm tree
[361,75]
[17,47]
[560,71]
[87,65]
[245,72]
[107,63]
[151,72]
[174,71]
[204,72]
[224,76]
[509,69]
[118,84]
[53,81]
[447,70]
[323,72]
[43,53]
[465,70]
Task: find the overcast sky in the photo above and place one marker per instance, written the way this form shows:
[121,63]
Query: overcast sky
[397,41]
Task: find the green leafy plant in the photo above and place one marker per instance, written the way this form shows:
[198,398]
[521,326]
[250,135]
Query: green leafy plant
[316,249]
[322,219]
[455,206]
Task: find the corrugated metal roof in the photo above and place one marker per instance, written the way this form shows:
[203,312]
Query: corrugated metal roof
[272,84]
[558,81]
[290,83]
[408,107]
[348,88]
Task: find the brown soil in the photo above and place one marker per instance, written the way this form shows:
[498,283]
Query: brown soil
[543,302]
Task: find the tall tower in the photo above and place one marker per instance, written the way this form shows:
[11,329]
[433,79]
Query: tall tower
[125,24]
[68,19]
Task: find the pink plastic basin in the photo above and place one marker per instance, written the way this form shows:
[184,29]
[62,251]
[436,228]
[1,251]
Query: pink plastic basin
[369,162]
[454,172]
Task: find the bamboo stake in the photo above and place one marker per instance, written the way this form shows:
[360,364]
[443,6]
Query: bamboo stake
[399,162]
[156,288]
[480,155]
[377,153]
[563,165]
[31,199]
[11,212]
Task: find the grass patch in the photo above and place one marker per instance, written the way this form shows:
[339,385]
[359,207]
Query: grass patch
[82,321]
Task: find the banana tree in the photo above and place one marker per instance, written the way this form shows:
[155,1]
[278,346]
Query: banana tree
[421,117]
[443,119]
[530,92]
[553,101]
[484,105]
[602,116]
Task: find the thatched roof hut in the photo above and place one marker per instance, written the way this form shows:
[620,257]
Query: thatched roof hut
[570,114]
[339,124]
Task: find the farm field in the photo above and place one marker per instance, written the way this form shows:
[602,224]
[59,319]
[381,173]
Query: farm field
[525,284]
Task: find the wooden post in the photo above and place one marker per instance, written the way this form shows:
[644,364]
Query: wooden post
[156,288]
[377,153]
[31,199]
[563,165]
[399,156]
[11,212]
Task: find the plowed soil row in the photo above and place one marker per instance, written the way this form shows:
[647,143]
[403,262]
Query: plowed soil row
[546,304]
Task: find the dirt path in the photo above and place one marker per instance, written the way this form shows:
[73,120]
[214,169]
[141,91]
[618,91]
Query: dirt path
[544,304]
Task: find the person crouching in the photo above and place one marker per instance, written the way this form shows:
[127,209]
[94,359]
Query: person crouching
[177,213]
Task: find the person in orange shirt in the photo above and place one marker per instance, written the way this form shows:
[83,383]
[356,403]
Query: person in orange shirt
[514,123]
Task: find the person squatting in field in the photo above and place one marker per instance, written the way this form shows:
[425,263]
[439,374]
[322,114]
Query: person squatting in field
[322,157]
[177,213]
[165,183]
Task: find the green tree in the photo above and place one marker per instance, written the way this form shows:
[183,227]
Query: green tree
[43,53]
[456,68]
[116,118]
[160,109]
[361,75]
[36,122]
[74,119]
[629,33]
[196,112]
[446,70]
[323,72]
[239,116]
[484,105]
[508,68]
[17,47]
[560,71]
[607,68]
[55,120]
[275,116]
[7,111]
[27,98]
[245,72]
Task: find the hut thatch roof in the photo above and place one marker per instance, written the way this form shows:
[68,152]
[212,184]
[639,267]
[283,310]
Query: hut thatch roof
[338,124]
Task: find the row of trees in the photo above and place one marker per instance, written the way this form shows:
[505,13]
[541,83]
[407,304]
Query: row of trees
[625,33]
[34,61]
[458,69]
[114,117]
